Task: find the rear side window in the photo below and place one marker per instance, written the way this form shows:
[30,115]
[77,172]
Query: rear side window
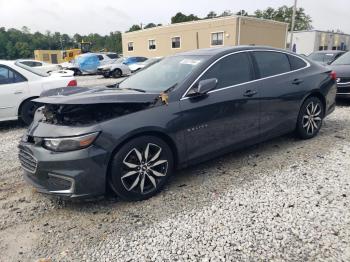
[271,63]
[296,62]
[100,57]
[231,70]
[8,76]
[112,56]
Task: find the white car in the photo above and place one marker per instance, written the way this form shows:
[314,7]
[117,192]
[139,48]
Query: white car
[20,84]
[116,69]
[139,65]
[39,65]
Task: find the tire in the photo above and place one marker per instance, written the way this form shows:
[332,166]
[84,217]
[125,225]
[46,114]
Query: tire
[106,75]
[117,73]
[310,118]
[27,111]
[77,72]
[127,173]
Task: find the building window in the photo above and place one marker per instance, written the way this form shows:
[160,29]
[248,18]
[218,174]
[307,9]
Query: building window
[152,44]
[176,42]
[217,38]
[131,46]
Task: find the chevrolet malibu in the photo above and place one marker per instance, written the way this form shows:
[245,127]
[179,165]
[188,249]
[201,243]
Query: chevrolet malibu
[186,109]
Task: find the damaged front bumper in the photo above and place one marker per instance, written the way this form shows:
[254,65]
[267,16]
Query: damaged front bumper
[74,174]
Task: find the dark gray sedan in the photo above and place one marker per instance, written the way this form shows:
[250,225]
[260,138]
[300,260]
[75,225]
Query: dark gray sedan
[341,66]
[186,109]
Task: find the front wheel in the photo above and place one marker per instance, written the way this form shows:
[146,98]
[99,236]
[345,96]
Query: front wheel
[27,111]
[310,118]
[140,168]
[117,73]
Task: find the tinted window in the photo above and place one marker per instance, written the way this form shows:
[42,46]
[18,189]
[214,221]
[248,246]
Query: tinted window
[7,76]
[231,70]
[141,59]
[112,56]
[271,63]
[100,57]
[295,62]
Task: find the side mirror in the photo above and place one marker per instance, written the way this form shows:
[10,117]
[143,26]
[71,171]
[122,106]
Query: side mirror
[204,86]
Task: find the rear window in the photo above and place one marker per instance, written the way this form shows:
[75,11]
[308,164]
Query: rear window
[112,56]
[295,62]
[271,63]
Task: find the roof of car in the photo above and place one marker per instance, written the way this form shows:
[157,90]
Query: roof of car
[328,52]
[227,49]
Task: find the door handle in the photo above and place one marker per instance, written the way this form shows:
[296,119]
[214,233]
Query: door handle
[18,92]
[297,81]
[250,93]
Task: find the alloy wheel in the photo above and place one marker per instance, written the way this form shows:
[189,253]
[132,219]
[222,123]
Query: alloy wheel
[143,169]
[312,118]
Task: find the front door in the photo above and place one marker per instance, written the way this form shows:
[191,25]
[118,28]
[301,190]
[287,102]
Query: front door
[13,87]
[226,116]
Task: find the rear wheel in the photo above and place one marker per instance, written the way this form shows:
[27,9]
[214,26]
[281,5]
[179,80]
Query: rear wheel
[77,72]
[117,73]
[310,118]
[27,111]
[140,168]
[106,75]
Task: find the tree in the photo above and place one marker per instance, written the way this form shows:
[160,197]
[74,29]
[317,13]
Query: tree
[242,13]
[210,15]
[226,13]
[180,18]
[134,28]
[150,25]
[284,14]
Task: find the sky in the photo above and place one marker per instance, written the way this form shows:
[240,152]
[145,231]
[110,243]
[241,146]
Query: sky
[104,16]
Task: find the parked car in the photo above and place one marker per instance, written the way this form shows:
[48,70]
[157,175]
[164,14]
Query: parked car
[116,69]
[20,84]
[325,57]
[139,65]
[39,65]
[88,63]
[185,109]
[342,68]
[134,59]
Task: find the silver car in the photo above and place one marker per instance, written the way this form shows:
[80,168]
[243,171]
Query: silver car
[116,69]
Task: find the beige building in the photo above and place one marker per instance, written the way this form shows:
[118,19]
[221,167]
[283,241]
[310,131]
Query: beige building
[224,31]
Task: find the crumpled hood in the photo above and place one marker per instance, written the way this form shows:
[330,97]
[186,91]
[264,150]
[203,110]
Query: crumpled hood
[341,70]
[95,95]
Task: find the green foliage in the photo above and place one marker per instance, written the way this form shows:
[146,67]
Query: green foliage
[134,28]
[150,25]
[16,44]
[284,14]
[180,18]
[210,15]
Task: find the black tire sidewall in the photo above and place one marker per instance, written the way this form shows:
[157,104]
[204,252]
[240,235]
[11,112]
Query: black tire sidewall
[117,73]
[24,112]
[300,129]
[115,170]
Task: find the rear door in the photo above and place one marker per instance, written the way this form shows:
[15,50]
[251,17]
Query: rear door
[281,88]
[226,116]
[13,88]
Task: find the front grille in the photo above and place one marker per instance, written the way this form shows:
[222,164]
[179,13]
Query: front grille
[28,161]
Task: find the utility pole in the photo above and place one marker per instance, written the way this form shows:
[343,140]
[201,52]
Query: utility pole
[293,23]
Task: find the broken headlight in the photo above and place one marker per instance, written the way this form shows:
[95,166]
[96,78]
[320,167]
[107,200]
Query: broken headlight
[69,143]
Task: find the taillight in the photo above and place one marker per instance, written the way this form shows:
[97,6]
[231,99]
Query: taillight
[333,75]
[72,83]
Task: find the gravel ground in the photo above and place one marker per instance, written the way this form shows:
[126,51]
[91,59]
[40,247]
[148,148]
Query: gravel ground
[284,199]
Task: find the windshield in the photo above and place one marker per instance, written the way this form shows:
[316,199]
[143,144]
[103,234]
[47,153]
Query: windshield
[322,57]
[31,69]
[343,60]
[163,75]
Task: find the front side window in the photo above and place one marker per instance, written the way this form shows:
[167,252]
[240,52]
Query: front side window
[151,44]
[100,57]
[130,46]
[7,76]
[217,38]
[176,42]
[232,70]
[271,63]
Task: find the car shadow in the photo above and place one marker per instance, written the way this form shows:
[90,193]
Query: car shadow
[343,101]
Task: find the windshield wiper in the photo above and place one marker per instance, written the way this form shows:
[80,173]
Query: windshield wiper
[135,89]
